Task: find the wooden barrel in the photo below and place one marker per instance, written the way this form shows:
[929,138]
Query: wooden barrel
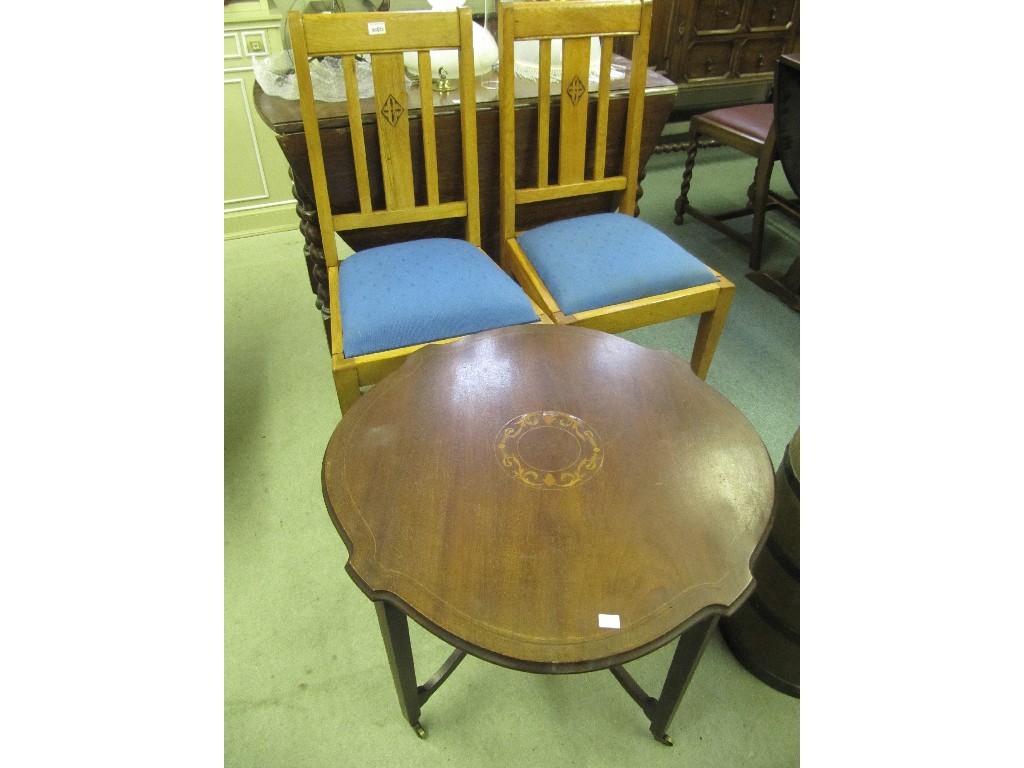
[764,633]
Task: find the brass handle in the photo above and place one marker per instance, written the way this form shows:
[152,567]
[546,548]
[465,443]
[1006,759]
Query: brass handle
[721,11]
[708,63]
[771,13]
[760,60]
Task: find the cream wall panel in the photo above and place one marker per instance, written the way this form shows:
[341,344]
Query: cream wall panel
[244,179]
[257,188]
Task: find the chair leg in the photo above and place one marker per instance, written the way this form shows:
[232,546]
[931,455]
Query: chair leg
[762,182]
[346,382]
[709,329]
[684,190]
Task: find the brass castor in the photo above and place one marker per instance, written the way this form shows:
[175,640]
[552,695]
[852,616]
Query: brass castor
[420,730]
[665,739]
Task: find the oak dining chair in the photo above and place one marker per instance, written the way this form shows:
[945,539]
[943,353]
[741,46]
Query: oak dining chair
[608,271]
[388,301]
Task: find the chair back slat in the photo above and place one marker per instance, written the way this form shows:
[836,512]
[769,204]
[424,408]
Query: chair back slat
[348,63]
[429,136]
[543,113]
[393,130]
[604,90]
[572,137]
[582,161]
[394,185]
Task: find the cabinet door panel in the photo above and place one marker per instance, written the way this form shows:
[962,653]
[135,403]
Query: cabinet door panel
[758,57]
[707,61]
[717,16]
[243,171]
[771,14]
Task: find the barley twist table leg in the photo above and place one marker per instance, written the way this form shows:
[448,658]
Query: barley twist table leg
[314,252]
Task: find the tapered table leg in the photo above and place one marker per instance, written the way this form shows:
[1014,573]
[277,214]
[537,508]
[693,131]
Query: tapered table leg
[394,628]
[684,663]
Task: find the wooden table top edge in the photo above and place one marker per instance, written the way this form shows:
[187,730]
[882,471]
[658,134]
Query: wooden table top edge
[550,668]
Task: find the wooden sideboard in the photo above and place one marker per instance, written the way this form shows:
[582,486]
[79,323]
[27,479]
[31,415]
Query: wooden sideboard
[722,52]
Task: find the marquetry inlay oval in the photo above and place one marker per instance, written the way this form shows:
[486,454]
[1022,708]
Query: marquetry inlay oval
[549,449]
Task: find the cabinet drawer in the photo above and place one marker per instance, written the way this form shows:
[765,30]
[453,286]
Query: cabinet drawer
[717,16]
[758,57]
[708,61]
[767,15]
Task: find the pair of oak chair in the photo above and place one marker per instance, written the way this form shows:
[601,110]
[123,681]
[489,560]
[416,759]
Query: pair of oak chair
[607,271]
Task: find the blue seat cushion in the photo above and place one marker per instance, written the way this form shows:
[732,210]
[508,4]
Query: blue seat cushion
[608,258]
[412,293]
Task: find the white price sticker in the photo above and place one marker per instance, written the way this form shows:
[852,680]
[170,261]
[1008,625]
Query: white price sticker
[608,620]
[376,28]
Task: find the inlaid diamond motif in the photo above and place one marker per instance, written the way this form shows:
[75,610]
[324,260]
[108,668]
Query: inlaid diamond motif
[392,110]
[575,90]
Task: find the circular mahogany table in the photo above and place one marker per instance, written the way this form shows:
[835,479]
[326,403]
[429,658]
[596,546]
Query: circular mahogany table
[551,499]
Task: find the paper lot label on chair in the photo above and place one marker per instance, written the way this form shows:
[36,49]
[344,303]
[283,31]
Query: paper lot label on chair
[376,28]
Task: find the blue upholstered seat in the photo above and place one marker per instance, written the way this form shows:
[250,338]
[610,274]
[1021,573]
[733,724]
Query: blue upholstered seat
[608,258]
[421,291]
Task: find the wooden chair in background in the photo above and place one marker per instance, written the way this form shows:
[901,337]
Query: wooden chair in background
[608,271]
[786,285]
[386,302]
[749,129]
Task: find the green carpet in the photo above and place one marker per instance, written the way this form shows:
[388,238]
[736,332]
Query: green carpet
[306,681]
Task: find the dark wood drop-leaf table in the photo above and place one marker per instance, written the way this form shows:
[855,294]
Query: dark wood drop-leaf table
[550,499]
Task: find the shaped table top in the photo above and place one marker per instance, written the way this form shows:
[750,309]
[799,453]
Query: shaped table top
[551,499]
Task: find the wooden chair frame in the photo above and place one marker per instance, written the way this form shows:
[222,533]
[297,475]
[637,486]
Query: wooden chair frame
[582,148]
[760,198]
[386,37]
